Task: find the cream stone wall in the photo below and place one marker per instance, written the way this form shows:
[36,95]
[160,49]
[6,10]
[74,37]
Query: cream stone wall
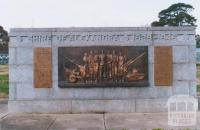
[23,97]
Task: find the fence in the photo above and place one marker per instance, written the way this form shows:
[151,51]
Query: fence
[4,58]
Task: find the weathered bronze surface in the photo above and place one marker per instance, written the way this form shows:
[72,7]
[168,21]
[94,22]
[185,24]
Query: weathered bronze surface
[42,67]
[103,66]
[163,65]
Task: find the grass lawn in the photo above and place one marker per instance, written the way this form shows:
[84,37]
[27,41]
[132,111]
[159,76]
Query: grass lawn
[198,88]
[4,84]
[4,81]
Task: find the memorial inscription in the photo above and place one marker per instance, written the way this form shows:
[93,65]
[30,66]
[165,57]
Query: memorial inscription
[103,36]
[103,66]
[163,65]
[42,67]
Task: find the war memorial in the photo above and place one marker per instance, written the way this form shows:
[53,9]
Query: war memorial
[100,69]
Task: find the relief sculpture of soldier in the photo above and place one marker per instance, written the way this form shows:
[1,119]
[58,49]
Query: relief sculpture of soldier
[86,64]
[109,65]
[96,67]
[91,66]
[121,60]
[100,66]
[114,66]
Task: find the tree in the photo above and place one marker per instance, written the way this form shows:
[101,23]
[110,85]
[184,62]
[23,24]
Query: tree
[4,39]
[198,41]
[176,15]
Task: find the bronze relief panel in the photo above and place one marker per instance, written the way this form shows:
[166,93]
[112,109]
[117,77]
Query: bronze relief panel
[103,66]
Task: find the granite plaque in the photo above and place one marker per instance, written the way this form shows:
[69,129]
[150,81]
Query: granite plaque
[163,65]
[42,67]
[103,66]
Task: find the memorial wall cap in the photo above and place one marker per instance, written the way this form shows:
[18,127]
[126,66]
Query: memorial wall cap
[183,28]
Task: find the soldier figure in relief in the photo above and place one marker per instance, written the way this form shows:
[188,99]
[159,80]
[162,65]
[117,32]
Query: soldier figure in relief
[114,66]
[91,66]
[86,64]
[109,65]
[121,61]
[102,65]
[96,67]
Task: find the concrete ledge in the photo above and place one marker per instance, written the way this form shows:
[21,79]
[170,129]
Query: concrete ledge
[151,105]
[87,106]
[102,106]
[45,106]
[191,28]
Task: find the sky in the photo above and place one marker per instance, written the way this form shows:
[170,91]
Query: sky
[85,13]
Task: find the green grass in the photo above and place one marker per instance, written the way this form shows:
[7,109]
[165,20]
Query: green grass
[198,65]
[4,84]
[198,88]
[198,74]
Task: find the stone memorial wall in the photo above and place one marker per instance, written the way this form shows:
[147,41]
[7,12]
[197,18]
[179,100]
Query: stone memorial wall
[100,69]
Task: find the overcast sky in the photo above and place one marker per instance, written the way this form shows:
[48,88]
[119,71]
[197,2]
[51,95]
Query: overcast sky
[85,13]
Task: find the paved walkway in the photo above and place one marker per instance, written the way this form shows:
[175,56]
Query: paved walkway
[3,107]
[115,121]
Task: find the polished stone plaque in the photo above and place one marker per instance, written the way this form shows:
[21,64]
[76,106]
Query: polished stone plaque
[103,66]
[163,61]
[42,67]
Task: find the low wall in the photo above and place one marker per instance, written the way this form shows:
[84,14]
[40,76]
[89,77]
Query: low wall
[24,96]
